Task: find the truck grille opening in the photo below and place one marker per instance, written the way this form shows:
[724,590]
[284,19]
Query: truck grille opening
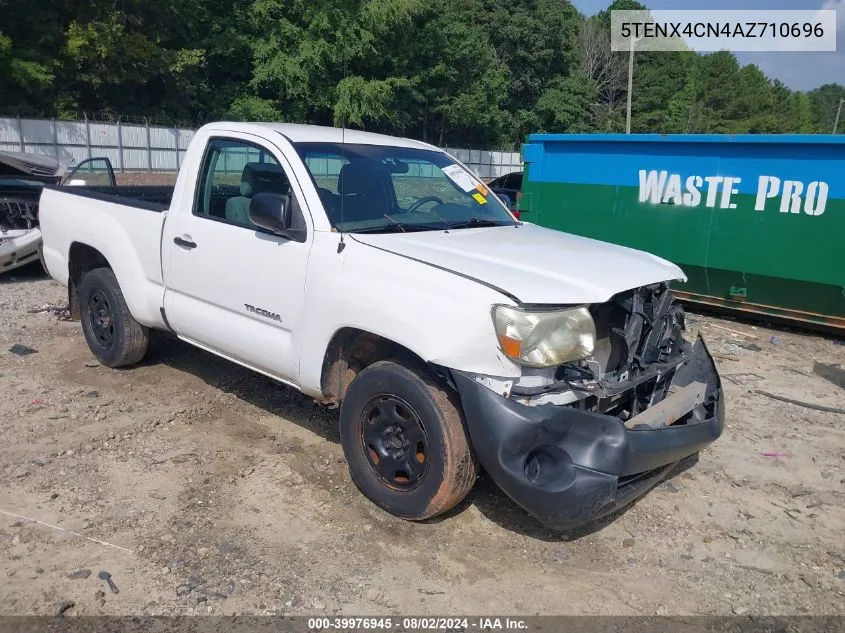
[638,332]
[638,328]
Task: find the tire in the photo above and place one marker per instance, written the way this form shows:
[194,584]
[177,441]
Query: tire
[404,441]
[114,337]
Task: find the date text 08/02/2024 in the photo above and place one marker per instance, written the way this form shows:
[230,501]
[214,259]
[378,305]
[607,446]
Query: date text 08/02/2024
[417,624]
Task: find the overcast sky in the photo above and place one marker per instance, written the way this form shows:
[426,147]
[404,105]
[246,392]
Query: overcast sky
[803,71]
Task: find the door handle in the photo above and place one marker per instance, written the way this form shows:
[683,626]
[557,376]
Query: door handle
[183,242]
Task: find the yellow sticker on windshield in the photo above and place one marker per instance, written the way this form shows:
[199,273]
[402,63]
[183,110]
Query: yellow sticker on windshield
[479,198]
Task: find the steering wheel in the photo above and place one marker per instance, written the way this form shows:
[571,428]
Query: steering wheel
[423,201]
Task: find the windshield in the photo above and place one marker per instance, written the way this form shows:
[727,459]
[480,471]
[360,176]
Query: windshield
[375,188]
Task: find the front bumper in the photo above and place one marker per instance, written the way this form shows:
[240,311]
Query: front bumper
[568,466]
[19,248]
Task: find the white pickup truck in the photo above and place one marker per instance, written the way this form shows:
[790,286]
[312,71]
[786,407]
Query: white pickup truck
[378,274]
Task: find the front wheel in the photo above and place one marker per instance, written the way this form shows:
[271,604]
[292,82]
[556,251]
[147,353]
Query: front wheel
[113,335]
[404,441]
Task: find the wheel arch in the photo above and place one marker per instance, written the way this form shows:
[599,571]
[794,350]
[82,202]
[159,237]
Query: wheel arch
[352,350]
[82,258]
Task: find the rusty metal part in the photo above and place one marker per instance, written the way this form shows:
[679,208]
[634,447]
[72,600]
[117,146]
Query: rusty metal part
[338,379]
[808,319]
[348,354]
[669,410]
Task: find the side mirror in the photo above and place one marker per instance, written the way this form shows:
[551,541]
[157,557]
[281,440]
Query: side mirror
[271,211]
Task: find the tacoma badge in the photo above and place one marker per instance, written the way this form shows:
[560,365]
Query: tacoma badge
[265,313]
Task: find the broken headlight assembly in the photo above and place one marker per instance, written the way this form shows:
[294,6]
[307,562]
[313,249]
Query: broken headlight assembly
[544,338]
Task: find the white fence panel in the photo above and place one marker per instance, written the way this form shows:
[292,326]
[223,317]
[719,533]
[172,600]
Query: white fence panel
[9,132]
[71,133]
[79,152]
[135,159]
[163,138]
[37,131]
[163,160]
[134,135]
[140,147]
[103,134]
[49,150]
[112,153]
[184,137]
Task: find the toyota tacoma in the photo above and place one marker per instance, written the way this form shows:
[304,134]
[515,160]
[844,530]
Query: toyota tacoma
[378,274]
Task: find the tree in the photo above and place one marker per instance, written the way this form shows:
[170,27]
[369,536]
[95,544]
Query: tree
[605,70]
[566,106]
[801,113]
[825,103]
[456,72]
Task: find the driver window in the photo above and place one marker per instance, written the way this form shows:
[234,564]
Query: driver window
[232,173]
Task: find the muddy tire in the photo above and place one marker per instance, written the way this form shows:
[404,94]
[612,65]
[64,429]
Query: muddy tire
[114,337]
[405,442]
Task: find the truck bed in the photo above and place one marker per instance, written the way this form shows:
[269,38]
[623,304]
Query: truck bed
[151,198]
[123,224]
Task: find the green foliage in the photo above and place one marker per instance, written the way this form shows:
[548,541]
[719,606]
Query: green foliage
[565,105]
[453,72]
[825,102]
[362,102]
[252,108]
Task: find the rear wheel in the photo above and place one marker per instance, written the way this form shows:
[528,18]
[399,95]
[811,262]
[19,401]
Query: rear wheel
[405,442]
[113,335]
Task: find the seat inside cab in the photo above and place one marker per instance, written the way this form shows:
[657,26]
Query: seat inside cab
[256,178]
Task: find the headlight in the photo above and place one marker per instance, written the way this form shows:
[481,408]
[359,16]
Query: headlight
[544,338]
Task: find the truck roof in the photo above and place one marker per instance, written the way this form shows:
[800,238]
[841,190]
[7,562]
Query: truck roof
[299,133]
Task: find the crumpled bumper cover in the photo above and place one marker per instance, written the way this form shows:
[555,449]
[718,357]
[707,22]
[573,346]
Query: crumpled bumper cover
[568,467]
[19,250]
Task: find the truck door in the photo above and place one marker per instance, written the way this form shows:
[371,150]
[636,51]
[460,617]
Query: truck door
[92,172]
[232,287]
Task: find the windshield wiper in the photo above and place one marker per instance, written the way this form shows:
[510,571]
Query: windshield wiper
[396,227]
[477,223]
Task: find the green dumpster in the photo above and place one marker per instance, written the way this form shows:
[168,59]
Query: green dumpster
[756,222]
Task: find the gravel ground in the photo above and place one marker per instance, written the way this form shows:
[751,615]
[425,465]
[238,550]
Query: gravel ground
[145,178]
[204,488]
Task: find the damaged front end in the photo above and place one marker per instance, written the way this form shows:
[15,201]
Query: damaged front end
[22,176]
[20,237]
[575,442]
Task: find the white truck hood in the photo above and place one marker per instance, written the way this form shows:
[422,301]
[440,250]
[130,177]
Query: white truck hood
[532,263]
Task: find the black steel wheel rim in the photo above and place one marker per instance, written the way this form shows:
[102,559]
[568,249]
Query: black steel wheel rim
[100,314]
[395,442]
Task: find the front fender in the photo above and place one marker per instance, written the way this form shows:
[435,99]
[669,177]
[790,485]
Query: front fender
[443,318]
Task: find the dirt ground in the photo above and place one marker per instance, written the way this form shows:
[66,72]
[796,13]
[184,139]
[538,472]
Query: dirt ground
[145,178]
[215,490]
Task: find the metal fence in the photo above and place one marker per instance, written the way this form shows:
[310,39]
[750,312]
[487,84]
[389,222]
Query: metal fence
[145,147]
[130,147]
